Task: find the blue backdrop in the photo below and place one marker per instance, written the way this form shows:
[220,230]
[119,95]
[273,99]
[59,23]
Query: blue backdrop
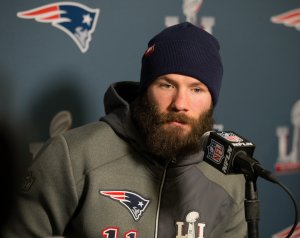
[43,71]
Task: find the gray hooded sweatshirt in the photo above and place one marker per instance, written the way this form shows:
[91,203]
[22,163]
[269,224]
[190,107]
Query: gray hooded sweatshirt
[99,180]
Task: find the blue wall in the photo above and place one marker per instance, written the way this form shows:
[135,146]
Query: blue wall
[43,71]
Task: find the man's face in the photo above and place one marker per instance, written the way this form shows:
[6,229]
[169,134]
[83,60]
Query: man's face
[180,95]
[173,114]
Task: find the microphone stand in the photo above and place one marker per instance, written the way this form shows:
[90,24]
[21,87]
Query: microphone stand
[251,195]
[251,207]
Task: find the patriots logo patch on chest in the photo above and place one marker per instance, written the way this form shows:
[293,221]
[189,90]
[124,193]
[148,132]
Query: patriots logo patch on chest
[134,202]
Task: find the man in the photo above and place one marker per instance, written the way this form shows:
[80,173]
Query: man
[139,171]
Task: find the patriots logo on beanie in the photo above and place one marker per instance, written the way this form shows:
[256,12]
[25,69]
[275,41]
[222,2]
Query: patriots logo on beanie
[149,51]
[183,49]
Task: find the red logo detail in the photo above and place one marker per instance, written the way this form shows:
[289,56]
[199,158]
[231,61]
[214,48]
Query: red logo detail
[290,18]
[285,232]
[149,51]
[229,136]
[287,167]
[218,153]
[215,152]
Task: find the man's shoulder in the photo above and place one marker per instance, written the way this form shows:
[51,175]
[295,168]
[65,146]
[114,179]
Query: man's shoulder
[234,185]
[89,131]
[95,142]
[93,135]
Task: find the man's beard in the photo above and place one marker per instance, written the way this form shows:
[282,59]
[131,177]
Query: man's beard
[174,142]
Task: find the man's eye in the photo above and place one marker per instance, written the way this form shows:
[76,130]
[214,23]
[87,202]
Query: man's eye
[165,85]
[197,90]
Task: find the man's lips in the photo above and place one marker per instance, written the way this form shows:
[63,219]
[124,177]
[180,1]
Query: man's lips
[177,123]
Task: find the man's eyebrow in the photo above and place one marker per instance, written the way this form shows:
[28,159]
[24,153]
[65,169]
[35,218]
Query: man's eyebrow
[169,80]
[199,84]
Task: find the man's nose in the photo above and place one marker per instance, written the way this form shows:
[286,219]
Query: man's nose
[180,101]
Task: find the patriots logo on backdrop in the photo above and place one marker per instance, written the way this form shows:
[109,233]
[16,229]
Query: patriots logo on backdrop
[285,232]
[75,19]
[135,203]
[289,18]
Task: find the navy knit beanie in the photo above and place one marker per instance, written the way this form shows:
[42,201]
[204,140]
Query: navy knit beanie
[183,49]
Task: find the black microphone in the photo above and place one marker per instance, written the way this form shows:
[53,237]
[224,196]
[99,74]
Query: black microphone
[230,153]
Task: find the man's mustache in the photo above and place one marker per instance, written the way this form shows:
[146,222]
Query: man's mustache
[173,116]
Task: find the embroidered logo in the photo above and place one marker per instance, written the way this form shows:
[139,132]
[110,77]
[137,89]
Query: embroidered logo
[149,51]
[135,203]
[75,19]
[192,231]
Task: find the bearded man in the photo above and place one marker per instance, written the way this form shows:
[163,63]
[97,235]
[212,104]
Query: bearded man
[138,172]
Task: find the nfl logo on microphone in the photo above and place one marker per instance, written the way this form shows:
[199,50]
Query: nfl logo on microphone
[215,152]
